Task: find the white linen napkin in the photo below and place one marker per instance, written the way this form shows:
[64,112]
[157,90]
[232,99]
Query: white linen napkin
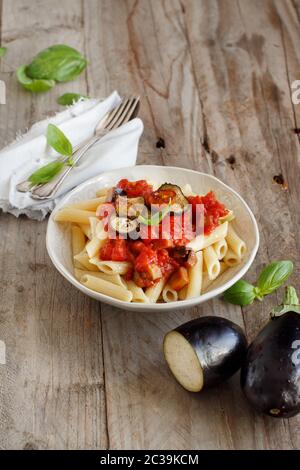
[118,149]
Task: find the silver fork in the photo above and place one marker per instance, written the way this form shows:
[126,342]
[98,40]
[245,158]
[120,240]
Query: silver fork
[123,113]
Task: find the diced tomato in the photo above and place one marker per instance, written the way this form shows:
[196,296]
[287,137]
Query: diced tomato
[163,196]
[135,188]
[174,230]
[136,246]
[115,250]
[129,275]
[166,263]
[147,269]
[163,243]
[181,228]
[213,210]
[146,257]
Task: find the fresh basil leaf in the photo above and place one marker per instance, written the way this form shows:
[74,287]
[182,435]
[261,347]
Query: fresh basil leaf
[156,218]
[3,51]
[59,62]
[36,86]
[46,173]
[241,293]
[57,140]
[70,98]
[273,276]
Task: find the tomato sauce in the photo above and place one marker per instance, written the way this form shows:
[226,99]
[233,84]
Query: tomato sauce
[213,210]
[135,188]
[152,255]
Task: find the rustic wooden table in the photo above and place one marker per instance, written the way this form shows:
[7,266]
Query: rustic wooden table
[215,79]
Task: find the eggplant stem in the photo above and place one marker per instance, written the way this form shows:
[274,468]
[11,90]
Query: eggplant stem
[290,296]
[290,303]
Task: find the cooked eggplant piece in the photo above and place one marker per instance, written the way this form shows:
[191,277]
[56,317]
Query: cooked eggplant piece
[182,254]
[204,352]
[130,207]
[270,376]
[171,194]
[179,279]
[123,225]
[112,193]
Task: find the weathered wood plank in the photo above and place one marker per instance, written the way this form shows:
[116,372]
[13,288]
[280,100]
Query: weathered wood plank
[52,389]
[215,81]
[141,395]
[246,102]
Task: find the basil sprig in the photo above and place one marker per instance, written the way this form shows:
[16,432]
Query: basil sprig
[270,279]
[58,63]
[34,85]
[156,218]
[68,99]
[46,173]
[273,276]
[59,142]
[2,51]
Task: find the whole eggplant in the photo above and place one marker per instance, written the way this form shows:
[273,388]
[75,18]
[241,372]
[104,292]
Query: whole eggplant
[204,352]
[270,376]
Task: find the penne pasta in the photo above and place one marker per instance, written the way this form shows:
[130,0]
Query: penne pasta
[154,291]
[203,241]
[182,293]
[212,263]
[83,259]
[195,277]
[206,282]
[88,205]
[138,295]
[114,278]
[97,229]
[220,248]
[93,246]
[73,215]
[78,242]
[102,192]
[231,258]
[228,217]
[111,267]
[93,224]
[86,230]
[169,294]
[101,233]
[187,190]
[235,243]
[107,288]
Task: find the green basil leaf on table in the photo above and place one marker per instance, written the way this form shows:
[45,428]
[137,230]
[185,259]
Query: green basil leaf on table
[70,98]
[57,140]
[2,51]
[46,173]
[59,62]
[241,293]
[273,276]
[34,85]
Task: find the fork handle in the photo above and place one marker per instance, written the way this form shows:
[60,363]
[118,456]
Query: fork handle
[48,190]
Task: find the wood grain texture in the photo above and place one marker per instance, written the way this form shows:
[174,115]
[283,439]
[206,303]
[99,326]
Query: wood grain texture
[52,389]
[215,81]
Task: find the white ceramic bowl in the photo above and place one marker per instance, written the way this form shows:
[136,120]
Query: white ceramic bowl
[59,238]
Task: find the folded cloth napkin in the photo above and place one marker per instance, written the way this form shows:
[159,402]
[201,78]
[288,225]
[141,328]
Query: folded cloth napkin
[117,149]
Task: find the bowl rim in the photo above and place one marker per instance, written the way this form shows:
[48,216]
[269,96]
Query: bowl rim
[157,306]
